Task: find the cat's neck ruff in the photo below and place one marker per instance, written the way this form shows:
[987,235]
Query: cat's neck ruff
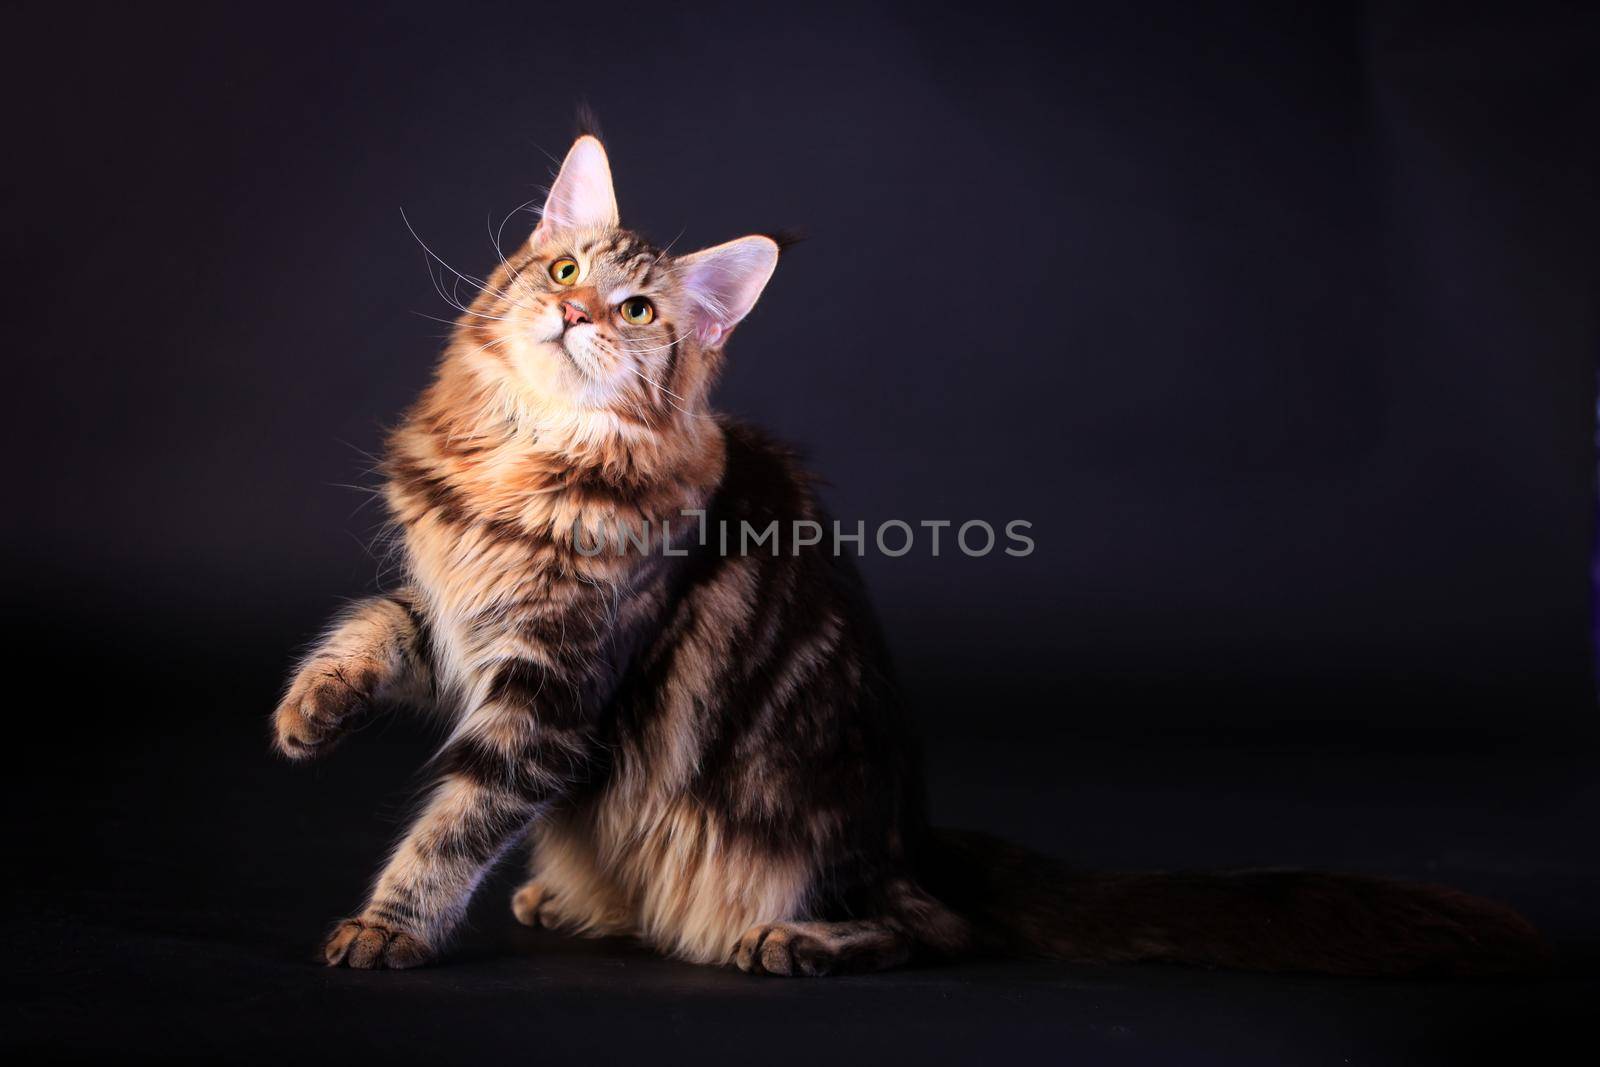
[544,466]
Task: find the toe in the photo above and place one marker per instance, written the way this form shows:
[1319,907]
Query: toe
[298,736]
[775,954]
[404,951]
[366,952]
[747,953]
[766,949]
[528,902]
[338,943]
[810,957]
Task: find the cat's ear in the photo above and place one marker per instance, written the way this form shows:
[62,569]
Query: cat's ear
[582,197]
[724,282]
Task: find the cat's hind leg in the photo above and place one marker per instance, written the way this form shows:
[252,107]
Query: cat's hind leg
[814,949]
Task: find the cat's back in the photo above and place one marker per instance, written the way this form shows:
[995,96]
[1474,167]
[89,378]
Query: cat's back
[763,480]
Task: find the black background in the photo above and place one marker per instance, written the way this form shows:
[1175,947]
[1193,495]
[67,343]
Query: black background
[1276,321]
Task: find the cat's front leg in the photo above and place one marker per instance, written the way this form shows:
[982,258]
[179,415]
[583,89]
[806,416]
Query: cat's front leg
[526,746]
[373,651]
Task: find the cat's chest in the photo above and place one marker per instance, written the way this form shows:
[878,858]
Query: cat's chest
[476,585]
[487,592]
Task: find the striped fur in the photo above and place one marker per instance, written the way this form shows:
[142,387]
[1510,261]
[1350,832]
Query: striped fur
[705,751]
[697,745]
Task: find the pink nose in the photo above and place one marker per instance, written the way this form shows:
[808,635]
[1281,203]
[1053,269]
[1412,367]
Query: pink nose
[574,312]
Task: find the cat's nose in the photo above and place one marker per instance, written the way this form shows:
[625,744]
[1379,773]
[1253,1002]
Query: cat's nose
[574,312]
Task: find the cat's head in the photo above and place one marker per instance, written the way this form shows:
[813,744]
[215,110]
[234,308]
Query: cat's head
[590,320]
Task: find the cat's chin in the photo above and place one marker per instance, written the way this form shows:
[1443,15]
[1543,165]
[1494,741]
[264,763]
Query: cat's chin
[547,364]
[578,384]
[584,364]
[574,354]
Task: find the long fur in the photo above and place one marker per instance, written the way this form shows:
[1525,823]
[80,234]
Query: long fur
[707,749]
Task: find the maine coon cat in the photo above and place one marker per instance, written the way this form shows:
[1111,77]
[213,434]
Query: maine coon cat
[706,749]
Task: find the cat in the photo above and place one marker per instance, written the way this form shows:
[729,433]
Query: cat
[707,749]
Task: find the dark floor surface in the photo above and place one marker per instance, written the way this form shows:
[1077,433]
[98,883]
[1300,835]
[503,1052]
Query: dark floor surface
[171,879]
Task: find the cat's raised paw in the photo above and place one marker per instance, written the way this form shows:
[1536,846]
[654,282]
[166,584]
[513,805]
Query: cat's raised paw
[370,945]
[323,701]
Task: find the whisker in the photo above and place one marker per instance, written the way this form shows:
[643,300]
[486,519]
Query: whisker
[668,392]
[500,230]
[452,300]
[491,344]
[435,318]
[477,283]
[656,348]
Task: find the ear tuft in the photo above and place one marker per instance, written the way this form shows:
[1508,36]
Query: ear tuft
[588,122]
[725,281]
[581,197]
[786,239]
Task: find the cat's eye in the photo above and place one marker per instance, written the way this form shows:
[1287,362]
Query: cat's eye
[638,311]
[564,271]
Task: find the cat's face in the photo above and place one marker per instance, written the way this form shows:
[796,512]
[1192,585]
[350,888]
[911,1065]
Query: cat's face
[590,318]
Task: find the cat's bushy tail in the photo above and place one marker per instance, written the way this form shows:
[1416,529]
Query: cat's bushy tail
[1019,902]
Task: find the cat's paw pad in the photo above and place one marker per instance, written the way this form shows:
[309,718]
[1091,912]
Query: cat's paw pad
[532,905]
[324,699]
[367,944]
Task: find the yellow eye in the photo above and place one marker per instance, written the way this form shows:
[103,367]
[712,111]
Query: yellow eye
[638,311]
[564,271]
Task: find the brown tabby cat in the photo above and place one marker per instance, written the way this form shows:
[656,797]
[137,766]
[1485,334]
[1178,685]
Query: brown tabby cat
[707,748]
